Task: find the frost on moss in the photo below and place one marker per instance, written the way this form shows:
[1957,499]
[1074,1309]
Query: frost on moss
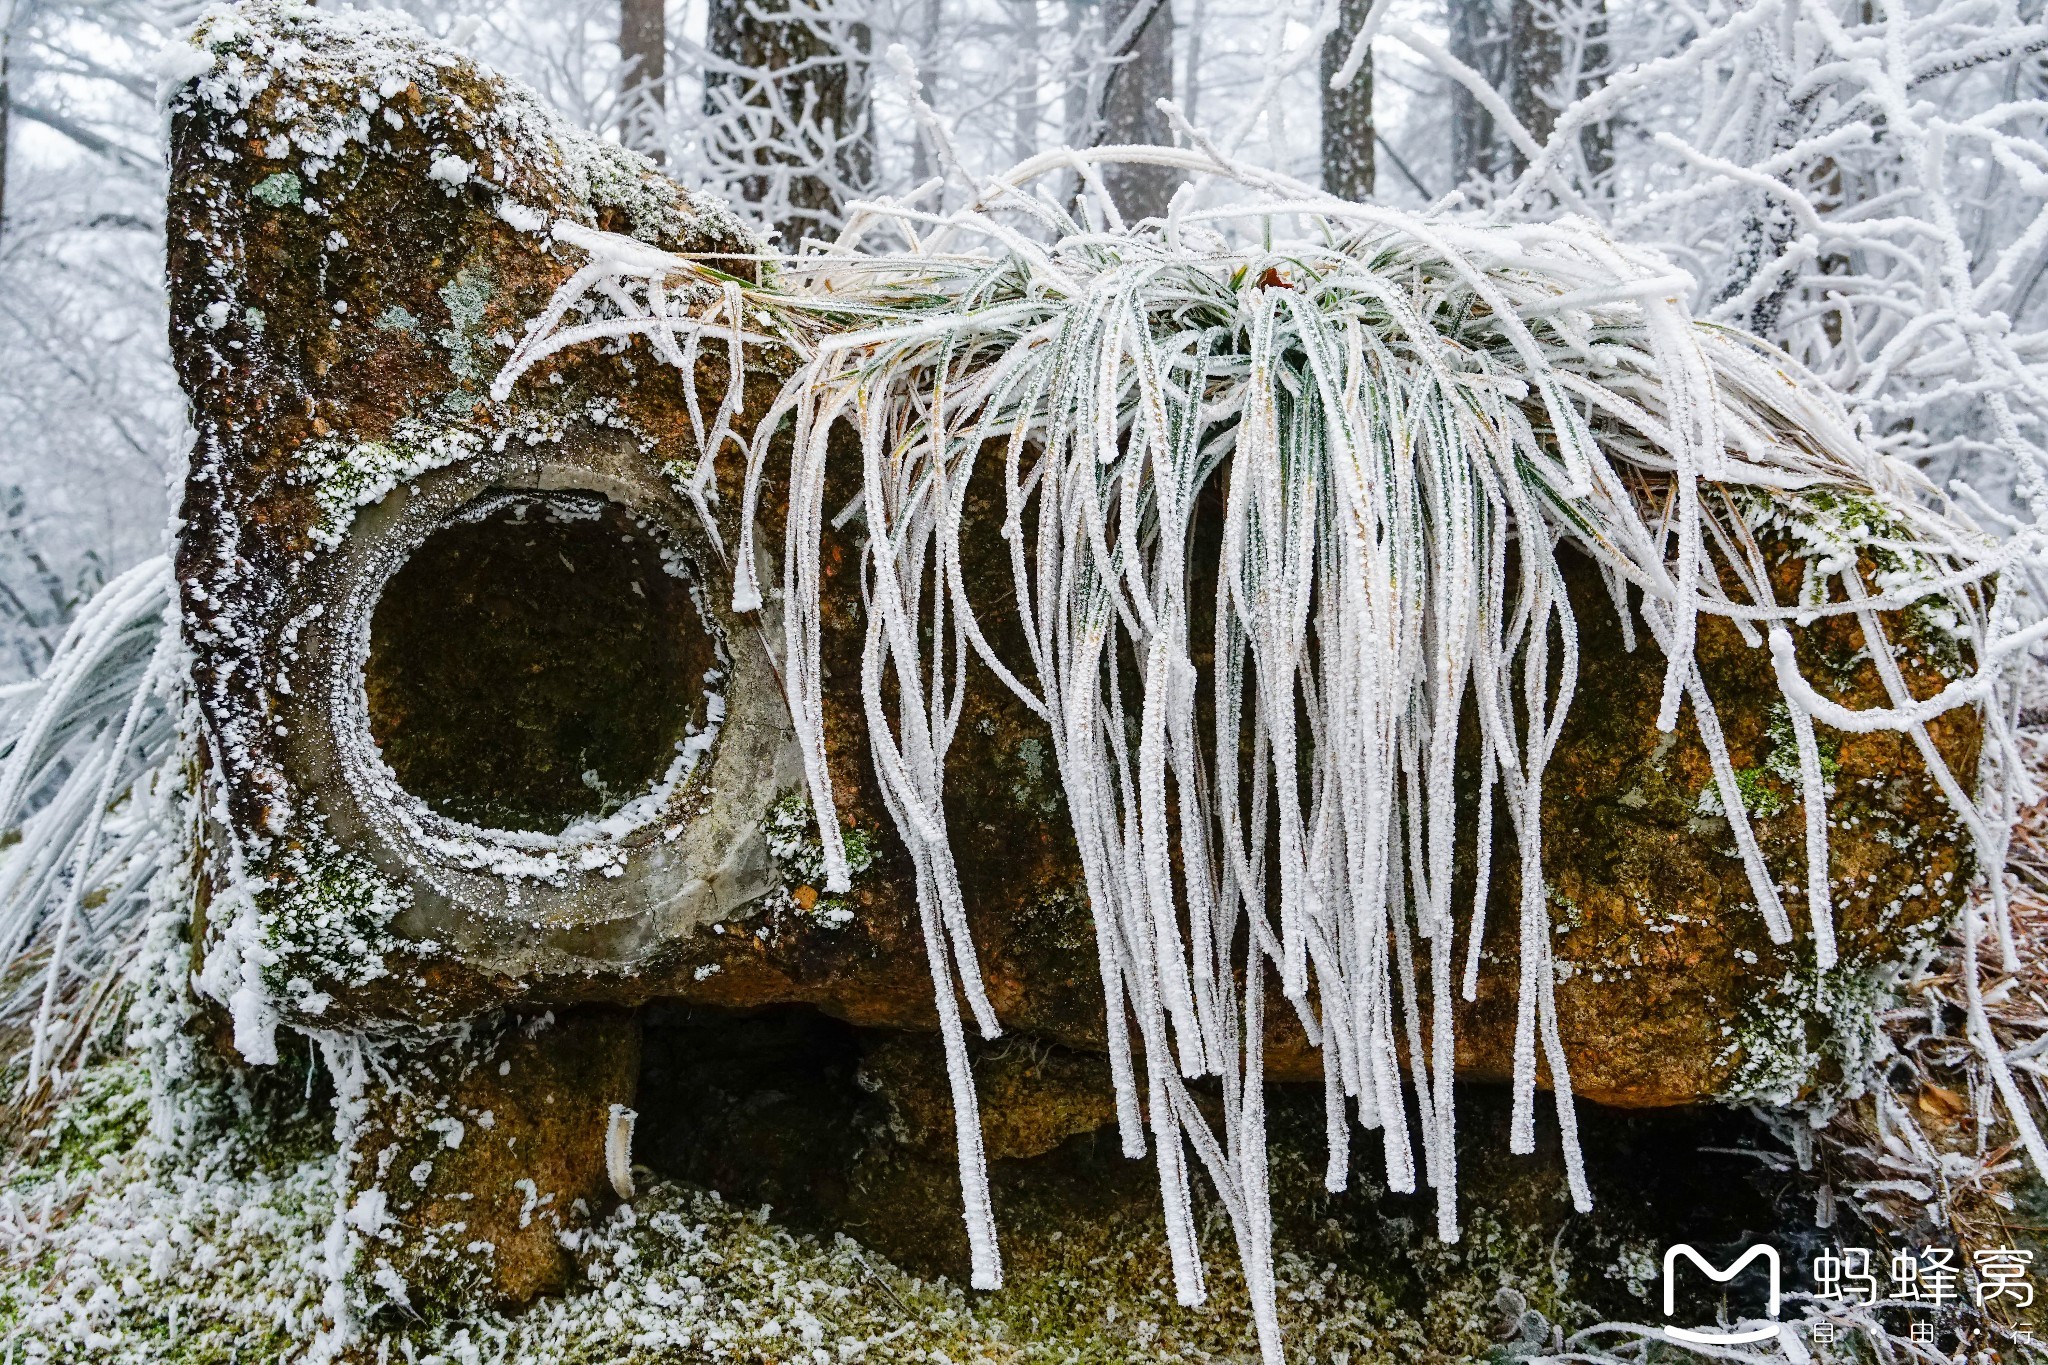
[208,1238]
[1758,792]
[170,1208]
[1783,760]
[105,1114]
[1759,797]
[289,928]
[1038,788]
[350,475]
[791,833]
[1812,1041]
[396,76]
[1831,529]
[326,918]
[680,474]
[608,176]
[1772,787]
[211,1262]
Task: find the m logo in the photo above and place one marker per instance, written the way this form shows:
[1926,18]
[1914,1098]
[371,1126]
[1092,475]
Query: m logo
[1747,1334]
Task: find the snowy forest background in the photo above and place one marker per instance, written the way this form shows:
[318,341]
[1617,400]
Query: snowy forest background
[1864,182]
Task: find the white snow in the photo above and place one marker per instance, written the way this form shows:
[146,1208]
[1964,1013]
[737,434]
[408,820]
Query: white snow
[177,63]
[450,170]
[522,217]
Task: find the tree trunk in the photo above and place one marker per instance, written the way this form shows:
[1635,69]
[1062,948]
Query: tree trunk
[1535,62]
[809,134]
[643,57]
[1074,102]
[921,163]
[857,154]
[1769,227]
[1596,142]
[1191,80]
[1142,76]
[1347,113]
[1024,99]
[5,100]
[9,16]
[1479,40]
[1540,55]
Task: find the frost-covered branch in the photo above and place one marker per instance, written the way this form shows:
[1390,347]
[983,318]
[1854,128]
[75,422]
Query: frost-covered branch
[1863,185]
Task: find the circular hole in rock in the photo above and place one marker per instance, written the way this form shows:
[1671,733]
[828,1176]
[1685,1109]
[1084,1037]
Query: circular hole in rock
[534,664]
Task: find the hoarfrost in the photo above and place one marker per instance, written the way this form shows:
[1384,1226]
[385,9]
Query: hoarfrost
[451,171]
[1387,408]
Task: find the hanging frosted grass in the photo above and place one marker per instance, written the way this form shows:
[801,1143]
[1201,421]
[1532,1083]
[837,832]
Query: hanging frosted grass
[1406,422]
[82,745]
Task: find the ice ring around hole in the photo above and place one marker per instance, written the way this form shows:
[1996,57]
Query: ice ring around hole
[537,665]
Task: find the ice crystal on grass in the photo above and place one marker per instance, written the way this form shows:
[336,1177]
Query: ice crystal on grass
[1405,421]
[85,770]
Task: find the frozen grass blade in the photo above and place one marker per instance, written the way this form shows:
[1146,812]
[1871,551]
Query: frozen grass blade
[84,746]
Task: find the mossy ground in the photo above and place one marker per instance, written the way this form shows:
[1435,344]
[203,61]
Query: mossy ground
[125,1248]
[189,1225]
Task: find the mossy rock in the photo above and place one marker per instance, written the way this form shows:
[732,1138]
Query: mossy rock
[338,346]
[467,1159]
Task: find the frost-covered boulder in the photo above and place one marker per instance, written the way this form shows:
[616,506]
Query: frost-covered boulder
[486,727]
[492,721]
[1670,989]
[489,731]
